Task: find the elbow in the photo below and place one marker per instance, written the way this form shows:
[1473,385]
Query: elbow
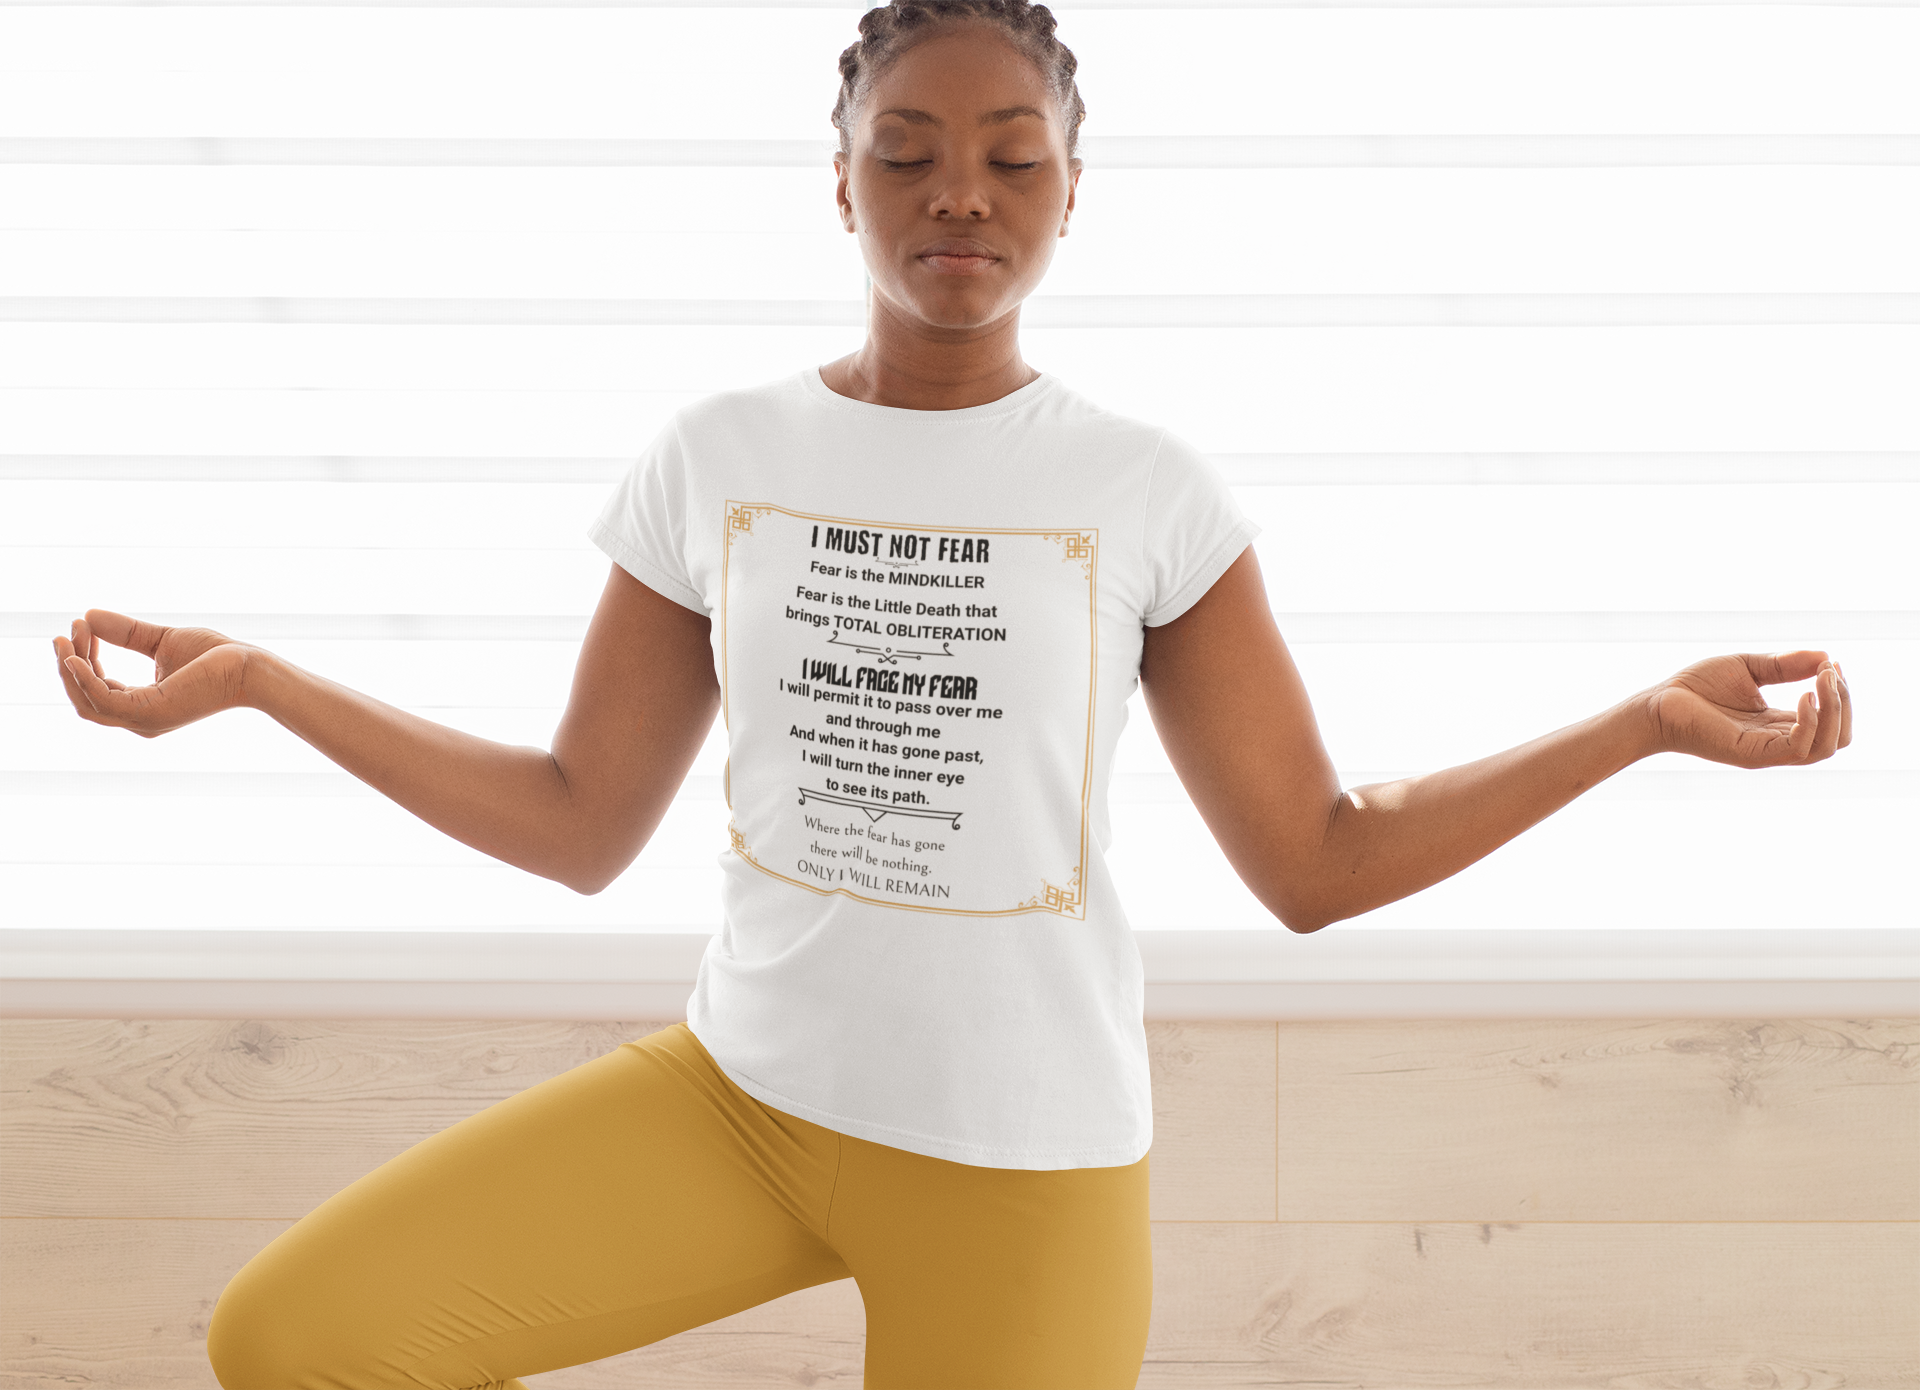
[589,879]
[1301,913]
[589,866]
[1303,888]
[1300,923]
[1295,915]
[587,876]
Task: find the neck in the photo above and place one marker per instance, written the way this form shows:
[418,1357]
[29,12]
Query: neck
[912,365]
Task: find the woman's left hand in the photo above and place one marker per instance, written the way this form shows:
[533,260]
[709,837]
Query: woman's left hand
[1714,710]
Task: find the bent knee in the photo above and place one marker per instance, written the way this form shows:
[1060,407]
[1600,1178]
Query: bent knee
[264,1335]
[251,1343]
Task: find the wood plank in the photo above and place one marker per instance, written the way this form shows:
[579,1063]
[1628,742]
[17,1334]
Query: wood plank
[124,1305]
[1571,1120]
[127,1118]
[116,1118]
[115,1303]
[1213,1121]
[1823,1125]
[815,1338]
[1619,1306]
[1509,1306]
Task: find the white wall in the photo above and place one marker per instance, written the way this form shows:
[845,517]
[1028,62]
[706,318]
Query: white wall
[1547,398]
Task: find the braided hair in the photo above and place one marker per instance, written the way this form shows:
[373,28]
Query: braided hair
[891,29]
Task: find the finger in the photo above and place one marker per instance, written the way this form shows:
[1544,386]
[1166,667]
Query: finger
[109,707]
[1846,709]
[71,666]
[1776,731]
[86,643]
[1826,736]
[122,631]
[63,652]
[1779,668]
[1805,725]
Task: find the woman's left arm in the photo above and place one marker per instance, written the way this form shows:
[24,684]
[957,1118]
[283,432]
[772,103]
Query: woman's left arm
[1234,718]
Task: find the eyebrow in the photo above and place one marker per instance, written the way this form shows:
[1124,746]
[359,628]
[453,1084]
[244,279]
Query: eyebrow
[914,116]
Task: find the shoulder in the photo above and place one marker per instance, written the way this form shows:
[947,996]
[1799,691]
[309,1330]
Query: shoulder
[768,405]
[1082,415]
[1168,460]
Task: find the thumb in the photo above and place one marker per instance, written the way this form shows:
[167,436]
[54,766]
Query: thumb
[1779,668]
[122,631]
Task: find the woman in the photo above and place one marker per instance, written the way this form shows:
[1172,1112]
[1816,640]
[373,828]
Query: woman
[920,582]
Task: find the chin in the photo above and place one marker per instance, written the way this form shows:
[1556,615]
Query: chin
[959,311]
[962,323]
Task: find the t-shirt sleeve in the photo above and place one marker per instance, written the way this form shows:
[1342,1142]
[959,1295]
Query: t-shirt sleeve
[1194,530]
[643,526]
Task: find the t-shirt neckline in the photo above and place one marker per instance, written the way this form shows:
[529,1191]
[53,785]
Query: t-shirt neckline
[811,382]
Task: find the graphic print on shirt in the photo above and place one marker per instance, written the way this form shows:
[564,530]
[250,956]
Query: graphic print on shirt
[910,708]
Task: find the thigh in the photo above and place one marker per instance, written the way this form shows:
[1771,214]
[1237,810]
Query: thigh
[995,1278]
[632,1197]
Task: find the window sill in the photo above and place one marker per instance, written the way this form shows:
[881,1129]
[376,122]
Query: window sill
[1357,973]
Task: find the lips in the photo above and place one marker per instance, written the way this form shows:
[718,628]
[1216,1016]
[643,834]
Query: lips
[959,256]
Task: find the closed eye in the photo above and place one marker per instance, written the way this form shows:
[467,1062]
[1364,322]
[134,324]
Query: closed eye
[903,163]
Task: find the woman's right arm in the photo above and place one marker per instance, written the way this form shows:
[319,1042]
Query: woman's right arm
[643,698]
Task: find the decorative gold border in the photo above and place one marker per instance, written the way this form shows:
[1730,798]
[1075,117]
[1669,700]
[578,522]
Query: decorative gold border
[740,520]
[1079,543]
[1054,898]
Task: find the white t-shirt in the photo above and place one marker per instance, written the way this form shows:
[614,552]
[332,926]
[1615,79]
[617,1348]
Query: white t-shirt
[926,625]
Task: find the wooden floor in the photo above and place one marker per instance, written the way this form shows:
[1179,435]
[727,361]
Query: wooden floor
[1712,1205]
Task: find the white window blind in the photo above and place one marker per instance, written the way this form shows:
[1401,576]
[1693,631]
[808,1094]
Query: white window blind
[1553,347]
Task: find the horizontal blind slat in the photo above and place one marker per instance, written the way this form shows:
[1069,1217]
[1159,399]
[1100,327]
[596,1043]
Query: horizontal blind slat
[855,6]
[346,73]
[1407,627]
[293,547]
[1409,151]
[1040,312]
[290,232]
[515,693]
[1652,852]
[1800,784]
[1244,470]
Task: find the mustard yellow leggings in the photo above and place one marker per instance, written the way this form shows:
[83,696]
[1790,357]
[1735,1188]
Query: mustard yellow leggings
[643,1193]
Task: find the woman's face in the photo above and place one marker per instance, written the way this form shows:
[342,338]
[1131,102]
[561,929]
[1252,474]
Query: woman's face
[958,184]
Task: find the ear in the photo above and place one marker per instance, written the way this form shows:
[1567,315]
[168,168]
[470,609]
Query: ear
[1073,186]
[840,195]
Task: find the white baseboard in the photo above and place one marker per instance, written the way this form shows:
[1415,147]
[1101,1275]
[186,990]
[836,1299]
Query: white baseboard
[1813,973]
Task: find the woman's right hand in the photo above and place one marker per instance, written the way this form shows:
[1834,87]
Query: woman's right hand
[197,672]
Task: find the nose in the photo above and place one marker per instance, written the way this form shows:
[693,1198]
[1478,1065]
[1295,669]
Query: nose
[961,194]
